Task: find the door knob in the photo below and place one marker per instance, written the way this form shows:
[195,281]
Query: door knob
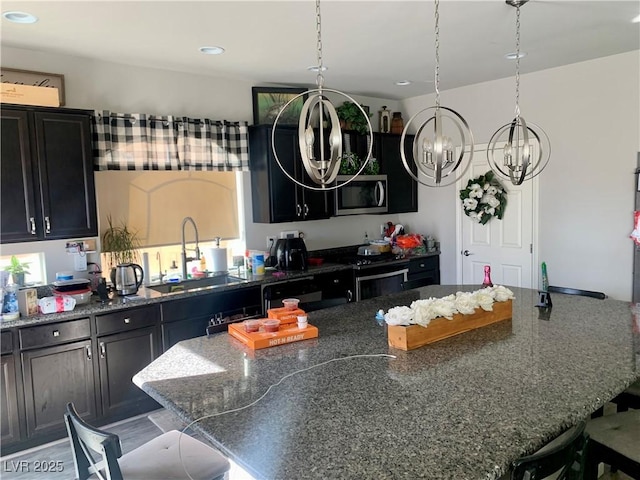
[466,253]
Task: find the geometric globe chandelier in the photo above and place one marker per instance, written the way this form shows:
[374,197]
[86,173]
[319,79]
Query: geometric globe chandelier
[442,148]
[518,151]
[321,166]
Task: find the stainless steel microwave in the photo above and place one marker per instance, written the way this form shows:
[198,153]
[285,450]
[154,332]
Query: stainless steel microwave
[365,194]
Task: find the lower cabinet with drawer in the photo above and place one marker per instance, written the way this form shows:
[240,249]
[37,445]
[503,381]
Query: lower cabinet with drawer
[57,367]
[127,342]
[423,271]
[189,317]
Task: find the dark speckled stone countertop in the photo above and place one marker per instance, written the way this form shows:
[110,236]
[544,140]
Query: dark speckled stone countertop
[147,295]
[462,408]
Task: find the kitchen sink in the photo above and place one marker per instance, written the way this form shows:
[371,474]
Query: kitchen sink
[224,279]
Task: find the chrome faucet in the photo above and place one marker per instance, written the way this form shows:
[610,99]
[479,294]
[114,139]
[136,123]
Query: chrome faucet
[186,259]
[159,258]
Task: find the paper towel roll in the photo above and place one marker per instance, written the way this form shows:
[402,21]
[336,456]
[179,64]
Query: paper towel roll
[216,259]
[145,269]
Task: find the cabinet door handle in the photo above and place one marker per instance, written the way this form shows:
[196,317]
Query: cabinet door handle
[127,320]
[306,209]
[56,333]
[349,295]
[298,210]
[88,348]
[32,221]
[103,350]
[47,225]
[422,265]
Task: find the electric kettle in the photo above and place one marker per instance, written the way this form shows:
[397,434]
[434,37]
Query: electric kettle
[127,278]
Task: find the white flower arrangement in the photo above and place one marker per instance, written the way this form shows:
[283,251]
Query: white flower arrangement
[421,312]
[484,198]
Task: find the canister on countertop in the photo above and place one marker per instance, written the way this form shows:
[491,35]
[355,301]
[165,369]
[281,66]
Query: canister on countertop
[216,258]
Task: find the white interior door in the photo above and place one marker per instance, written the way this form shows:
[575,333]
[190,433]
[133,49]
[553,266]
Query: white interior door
[506,245]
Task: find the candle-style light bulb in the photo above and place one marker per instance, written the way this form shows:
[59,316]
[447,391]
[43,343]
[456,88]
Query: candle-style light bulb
[427,151]
[507,154]
[309,139]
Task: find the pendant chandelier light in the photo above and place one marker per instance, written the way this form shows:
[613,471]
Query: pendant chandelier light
[524,147]
[440,131]
[322,167]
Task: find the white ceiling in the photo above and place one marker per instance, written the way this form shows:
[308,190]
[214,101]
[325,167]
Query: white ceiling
[367,45]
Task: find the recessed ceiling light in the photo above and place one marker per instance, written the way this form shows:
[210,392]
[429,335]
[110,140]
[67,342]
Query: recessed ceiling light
[636,19]
[315,68]
[403,83]
[211,50]
[514,55]
[20,17]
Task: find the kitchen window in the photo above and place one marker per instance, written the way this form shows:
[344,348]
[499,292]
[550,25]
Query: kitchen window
[36,267]
[154,203]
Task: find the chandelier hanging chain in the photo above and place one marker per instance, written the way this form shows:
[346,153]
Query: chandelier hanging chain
[518,62]
[437,73]
[319,77]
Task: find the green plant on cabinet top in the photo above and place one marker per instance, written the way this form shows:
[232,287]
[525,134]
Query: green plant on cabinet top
[120,243]
[352,117]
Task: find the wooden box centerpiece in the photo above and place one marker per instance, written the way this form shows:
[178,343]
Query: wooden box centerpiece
[410,337]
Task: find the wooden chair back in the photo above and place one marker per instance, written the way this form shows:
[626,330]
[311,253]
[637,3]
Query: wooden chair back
[576,291]
[94,451]
[563,457]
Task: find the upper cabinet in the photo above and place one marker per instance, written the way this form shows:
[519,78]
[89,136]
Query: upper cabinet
[275,197]
[402,190]
[47,183]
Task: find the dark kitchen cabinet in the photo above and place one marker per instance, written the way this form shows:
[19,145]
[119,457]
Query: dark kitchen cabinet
[52,377]
[423,271]
[275,197]
[127,342]
[189,317]
[47,187]
[402,189]
[9,416]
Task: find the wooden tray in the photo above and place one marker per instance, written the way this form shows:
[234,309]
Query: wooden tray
[416,336]
[262,339]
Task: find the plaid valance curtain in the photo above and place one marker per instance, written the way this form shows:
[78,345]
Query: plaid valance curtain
[136,141]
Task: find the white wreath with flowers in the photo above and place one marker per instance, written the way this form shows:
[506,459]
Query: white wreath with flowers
[484,198]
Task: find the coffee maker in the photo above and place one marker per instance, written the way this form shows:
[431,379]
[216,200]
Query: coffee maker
[289,254]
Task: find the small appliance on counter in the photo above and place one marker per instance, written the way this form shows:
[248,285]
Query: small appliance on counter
[289,254]
[127,278]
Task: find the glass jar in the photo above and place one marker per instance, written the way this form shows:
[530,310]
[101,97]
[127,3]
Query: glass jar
[10,309]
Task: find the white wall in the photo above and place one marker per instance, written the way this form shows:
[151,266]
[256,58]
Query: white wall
[94,84]
[591,112]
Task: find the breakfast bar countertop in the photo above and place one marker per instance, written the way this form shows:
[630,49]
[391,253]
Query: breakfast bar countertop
[347,405]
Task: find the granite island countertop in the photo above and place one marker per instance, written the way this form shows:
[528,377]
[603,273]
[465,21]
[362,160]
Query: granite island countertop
[346,405]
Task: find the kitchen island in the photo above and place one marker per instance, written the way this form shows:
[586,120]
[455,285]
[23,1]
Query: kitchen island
[346,405]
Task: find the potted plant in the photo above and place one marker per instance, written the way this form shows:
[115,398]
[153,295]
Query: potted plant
[119,243]
[352,116]
[17,270]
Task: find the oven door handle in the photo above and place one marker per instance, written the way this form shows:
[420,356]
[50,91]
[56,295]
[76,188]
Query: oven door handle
[380,188]
[384,275]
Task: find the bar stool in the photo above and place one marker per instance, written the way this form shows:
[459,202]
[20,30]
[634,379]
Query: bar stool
[170,456]
[614,440]
[560,459]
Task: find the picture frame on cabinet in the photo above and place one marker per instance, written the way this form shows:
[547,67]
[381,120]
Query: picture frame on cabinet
[34,79]
[268,101]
